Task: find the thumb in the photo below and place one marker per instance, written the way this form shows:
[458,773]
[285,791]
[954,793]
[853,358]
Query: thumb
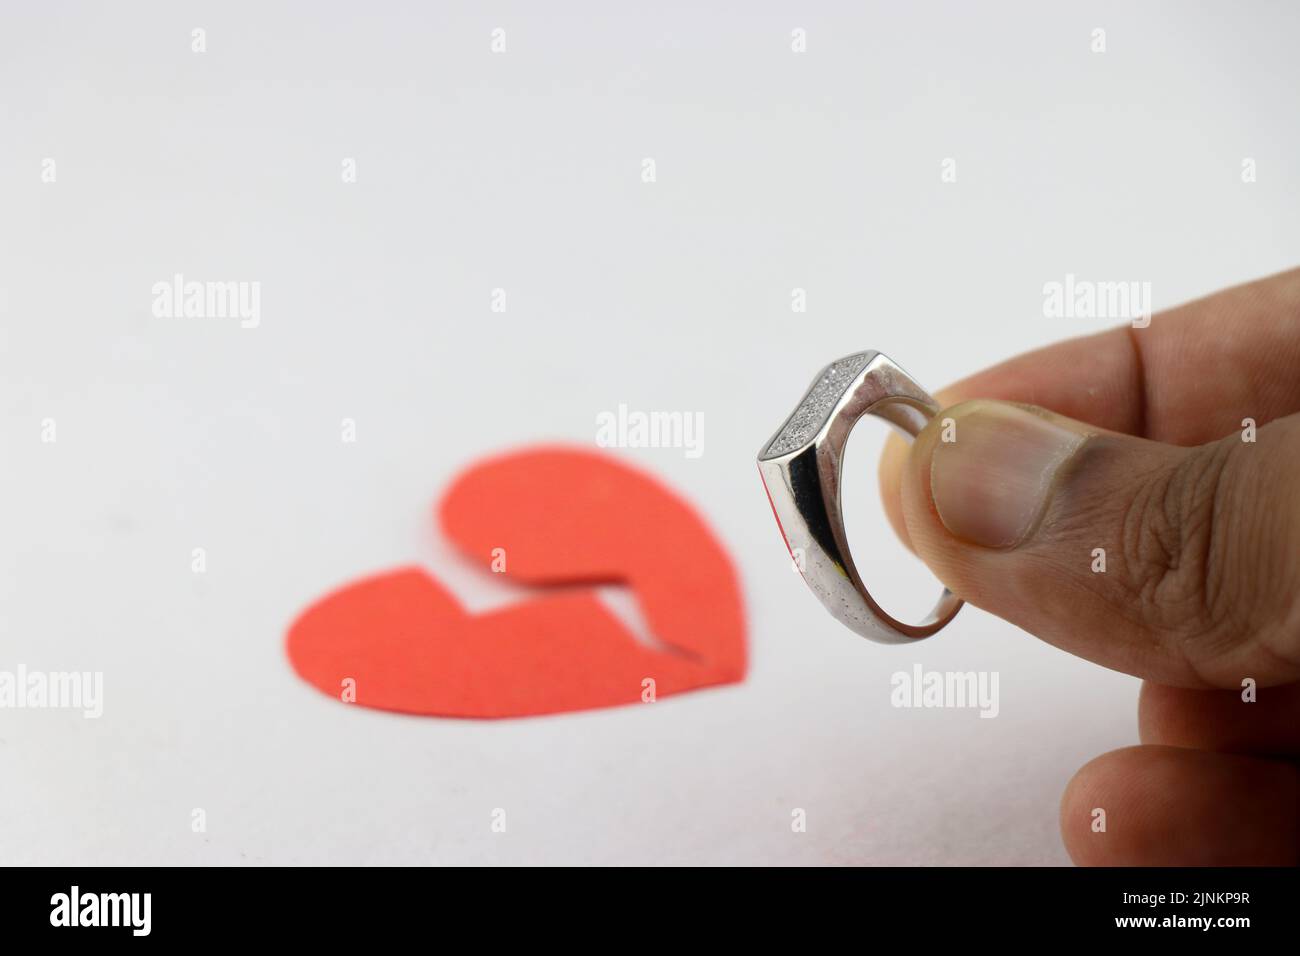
[1174,564]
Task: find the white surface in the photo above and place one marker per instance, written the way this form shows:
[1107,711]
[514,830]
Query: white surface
[522,171]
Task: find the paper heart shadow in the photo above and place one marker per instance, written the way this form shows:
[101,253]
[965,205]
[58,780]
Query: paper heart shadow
[558,516]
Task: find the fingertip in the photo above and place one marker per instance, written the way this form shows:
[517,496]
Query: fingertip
[1173,806]
[893,469]
[892,462]
[1085,823]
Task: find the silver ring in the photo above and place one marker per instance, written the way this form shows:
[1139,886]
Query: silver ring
[801,468]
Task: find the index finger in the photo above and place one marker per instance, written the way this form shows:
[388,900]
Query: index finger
[1188,377]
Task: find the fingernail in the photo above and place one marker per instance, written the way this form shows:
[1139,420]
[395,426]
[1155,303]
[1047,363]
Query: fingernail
[991,473]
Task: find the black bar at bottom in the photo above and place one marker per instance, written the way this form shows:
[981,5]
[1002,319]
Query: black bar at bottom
[134,905]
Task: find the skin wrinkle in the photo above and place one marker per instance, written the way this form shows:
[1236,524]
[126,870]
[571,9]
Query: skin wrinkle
[1277,583]
[1087,503]
[1243,573]
[1217,554]
[1233,542]
[1168,562]
[1080,504]
[1201,573]
[1150,555]
[1290,627]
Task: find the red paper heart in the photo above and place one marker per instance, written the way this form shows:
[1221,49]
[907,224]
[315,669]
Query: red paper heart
[560,516]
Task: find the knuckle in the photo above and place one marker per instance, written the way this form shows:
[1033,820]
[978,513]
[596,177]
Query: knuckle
[1200,552]
[1178,562]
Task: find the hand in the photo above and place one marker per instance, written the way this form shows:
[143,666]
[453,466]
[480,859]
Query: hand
[1143,455]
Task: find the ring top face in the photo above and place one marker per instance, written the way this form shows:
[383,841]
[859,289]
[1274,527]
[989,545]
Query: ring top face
[801,468]
[816,406]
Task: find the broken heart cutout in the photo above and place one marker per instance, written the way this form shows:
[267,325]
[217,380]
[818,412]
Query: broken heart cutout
[558,516]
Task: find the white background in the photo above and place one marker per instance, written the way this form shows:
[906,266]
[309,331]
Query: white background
[523,171]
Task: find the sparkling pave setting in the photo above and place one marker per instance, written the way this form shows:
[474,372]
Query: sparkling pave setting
[816,406]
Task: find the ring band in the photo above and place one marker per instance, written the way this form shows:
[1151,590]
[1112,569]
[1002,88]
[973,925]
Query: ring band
[801,468]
